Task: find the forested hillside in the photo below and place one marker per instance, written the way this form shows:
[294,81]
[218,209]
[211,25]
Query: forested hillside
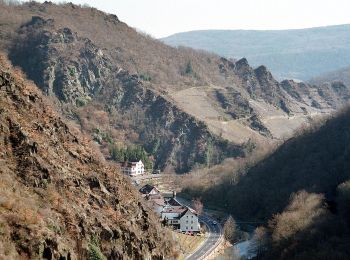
[311,173]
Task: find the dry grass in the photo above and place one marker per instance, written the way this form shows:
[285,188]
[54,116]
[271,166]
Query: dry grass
[59,190]
[188,244]
[14,208]
[134,51]
[231,170]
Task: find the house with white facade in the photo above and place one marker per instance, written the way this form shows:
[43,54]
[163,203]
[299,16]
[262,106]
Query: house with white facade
[170,211]
[133,168]
[189,221]
[181,218]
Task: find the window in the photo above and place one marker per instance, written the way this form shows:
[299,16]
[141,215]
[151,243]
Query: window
[186,227]
[186,221]
[191,222]
[191,227]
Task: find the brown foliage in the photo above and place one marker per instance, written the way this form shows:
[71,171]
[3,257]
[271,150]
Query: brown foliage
[302,212]
[60,190]
[197,205]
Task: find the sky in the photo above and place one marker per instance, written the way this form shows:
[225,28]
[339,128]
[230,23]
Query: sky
[161,18]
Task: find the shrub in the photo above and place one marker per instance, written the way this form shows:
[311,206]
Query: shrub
[95,252]
[189,68]
[145,77]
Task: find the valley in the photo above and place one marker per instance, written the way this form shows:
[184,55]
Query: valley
[87,101]
[122,90]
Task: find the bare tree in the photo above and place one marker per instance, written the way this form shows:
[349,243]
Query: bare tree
[259,243]
[197,205]
[230,229]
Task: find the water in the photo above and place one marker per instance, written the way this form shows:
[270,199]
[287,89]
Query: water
[240,250]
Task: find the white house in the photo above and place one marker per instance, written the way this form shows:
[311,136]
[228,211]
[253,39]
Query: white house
[189,221]
[133,168]
[181,218]
[171,212]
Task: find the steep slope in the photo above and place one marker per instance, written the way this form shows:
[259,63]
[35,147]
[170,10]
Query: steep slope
[342,75]
[295,54]
[316,161]
[58,199]
[186,108]
[300,193]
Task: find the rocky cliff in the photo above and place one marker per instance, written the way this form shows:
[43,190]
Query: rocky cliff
[125,87]
[77,72]
[58,199]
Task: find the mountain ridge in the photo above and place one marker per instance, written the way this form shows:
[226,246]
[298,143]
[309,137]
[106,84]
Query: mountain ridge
[111,81]
[341,75]
[294,54]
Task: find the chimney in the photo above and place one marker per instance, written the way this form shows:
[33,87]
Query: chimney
[174,194]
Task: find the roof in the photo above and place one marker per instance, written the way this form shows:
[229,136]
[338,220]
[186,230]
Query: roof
[158,201]
[155,196]
[147,189]
[188,209]
[168,194]
[173,202]
[177,209]
[129,164]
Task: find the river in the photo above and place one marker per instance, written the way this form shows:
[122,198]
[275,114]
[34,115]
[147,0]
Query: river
[239,250]
[243,249]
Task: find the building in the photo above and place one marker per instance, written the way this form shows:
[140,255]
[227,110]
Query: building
[148,190]
[171,212]
[189,221]
[181,218]
[157,203]
[133,168]
[173,202]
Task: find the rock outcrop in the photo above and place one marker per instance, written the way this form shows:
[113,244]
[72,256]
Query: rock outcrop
[58,199]
[76,71]
[90,61]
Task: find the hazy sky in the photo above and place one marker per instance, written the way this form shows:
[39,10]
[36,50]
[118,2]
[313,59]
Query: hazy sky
[164,17]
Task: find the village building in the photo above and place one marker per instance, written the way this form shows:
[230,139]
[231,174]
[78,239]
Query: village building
[181,218]
[173,202]
[170,211]
[189,221]
[133,168]
[148,190]
[157,203]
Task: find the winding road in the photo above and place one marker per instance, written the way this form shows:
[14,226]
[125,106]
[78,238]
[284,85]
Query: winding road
[215,234]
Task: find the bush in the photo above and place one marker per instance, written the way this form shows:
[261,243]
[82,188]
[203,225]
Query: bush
[145,77]
[95,252]
[80,102]
[189,68]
